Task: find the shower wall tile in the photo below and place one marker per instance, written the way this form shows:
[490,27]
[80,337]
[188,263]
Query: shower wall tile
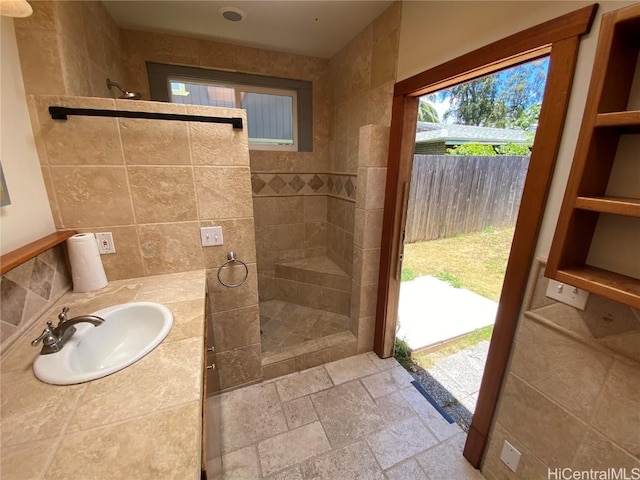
[155,204]
[153,142]
[223,192]
[162,194]
[55,210]
[69,48]
[236,328]
[91,196]
[170,247]
[240,233]
[39,53]
[141,47]
[127,262]
[315,209]
[218,144]
[29,289]
[74,141]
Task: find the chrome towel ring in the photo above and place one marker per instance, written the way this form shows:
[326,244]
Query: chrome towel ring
[231,259]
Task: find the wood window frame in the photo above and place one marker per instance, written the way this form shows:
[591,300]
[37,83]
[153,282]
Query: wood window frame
[558,38]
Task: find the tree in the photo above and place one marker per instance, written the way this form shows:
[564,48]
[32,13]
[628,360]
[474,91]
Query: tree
[427,112]
[510,99]
[473,103]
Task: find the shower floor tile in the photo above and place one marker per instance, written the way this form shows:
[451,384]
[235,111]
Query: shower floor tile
[285,324]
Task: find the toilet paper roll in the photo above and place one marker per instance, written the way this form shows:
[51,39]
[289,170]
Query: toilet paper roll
[87,271]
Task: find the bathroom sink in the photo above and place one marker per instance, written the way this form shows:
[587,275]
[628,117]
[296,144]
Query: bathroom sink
[129,332]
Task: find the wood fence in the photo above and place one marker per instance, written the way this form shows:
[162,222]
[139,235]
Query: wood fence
[453,194]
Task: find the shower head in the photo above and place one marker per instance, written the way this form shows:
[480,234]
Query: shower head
[126,95]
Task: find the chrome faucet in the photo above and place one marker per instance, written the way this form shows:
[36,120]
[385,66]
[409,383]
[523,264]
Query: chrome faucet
[53,339]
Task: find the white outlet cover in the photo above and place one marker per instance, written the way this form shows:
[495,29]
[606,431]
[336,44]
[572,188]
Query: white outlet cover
[510,456]
[104,240]
[211,236]
[567,294]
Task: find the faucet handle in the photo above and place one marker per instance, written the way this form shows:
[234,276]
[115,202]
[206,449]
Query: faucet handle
[62,316]
[46,337]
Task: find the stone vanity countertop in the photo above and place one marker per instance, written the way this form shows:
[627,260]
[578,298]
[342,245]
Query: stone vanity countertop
[142,422]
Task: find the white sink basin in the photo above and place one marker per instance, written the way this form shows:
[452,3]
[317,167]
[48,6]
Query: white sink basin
[130,331]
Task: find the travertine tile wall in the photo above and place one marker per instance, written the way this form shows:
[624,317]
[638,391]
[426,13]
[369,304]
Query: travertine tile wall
[69,48]
[362,76]
[340,219]
[287,228]
[30,289]
[572,393]
[282,181]
[151,183]
[235,321]
[372,175]
[140,47]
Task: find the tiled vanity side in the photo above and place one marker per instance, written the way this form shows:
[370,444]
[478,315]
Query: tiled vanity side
[235,326]
[28,290]
[572,394]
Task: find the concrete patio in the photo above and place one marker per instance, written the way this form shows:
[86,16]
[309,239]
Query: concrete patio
[432,311]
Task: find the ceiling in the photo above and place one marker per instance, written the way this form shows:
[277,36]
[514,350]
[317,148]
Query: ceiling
[314,28]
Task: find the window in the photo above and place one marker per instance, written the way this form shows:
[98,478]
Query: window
[271,113]
[278,110]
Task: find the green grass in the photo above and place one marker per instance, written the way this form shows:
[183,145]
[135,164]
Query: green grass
[402,354]
[475,261]
[426,360]
[449,278]
[407,275]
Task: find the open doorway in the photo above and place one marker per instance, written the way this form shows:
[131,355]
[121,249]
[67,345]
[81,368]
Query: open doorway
[472,149]
[559,39]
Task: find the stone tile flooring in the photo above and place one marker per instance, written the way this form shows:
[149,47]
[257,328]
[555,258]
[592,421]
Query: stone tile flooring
[356,418]
[285,324]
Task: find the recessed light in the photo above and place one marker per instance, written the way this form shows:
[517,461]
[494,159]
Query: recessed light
[232,14]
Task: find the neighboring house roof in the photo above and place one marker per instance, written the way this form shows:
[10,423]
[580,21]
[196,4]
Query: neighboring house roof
[428,132]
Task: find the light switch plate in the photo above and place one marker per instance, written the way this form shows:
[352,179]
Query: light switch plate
[567,294]
[211,236]
[105,243]
[510,456]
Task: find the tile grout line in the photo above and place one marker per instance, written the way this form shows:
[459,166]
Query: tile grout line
[63,433]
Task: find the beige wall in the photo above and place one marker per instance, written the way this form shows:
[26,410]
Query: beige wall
[69,48]
[28,218]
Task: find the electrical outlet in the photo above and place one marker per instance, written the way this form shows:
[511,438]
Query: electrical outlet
[510,456]
[567,294]
[211,236]
[105,243]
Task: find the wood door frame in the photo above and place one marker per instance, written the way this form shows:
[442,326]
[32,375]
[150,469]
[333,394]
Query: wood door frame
[560,40]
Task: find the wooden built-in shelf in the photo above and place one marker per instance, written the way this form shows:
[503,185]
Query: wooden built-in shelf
[629,207]
[629,119]
[11,260]
[615,286]
[606,119]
